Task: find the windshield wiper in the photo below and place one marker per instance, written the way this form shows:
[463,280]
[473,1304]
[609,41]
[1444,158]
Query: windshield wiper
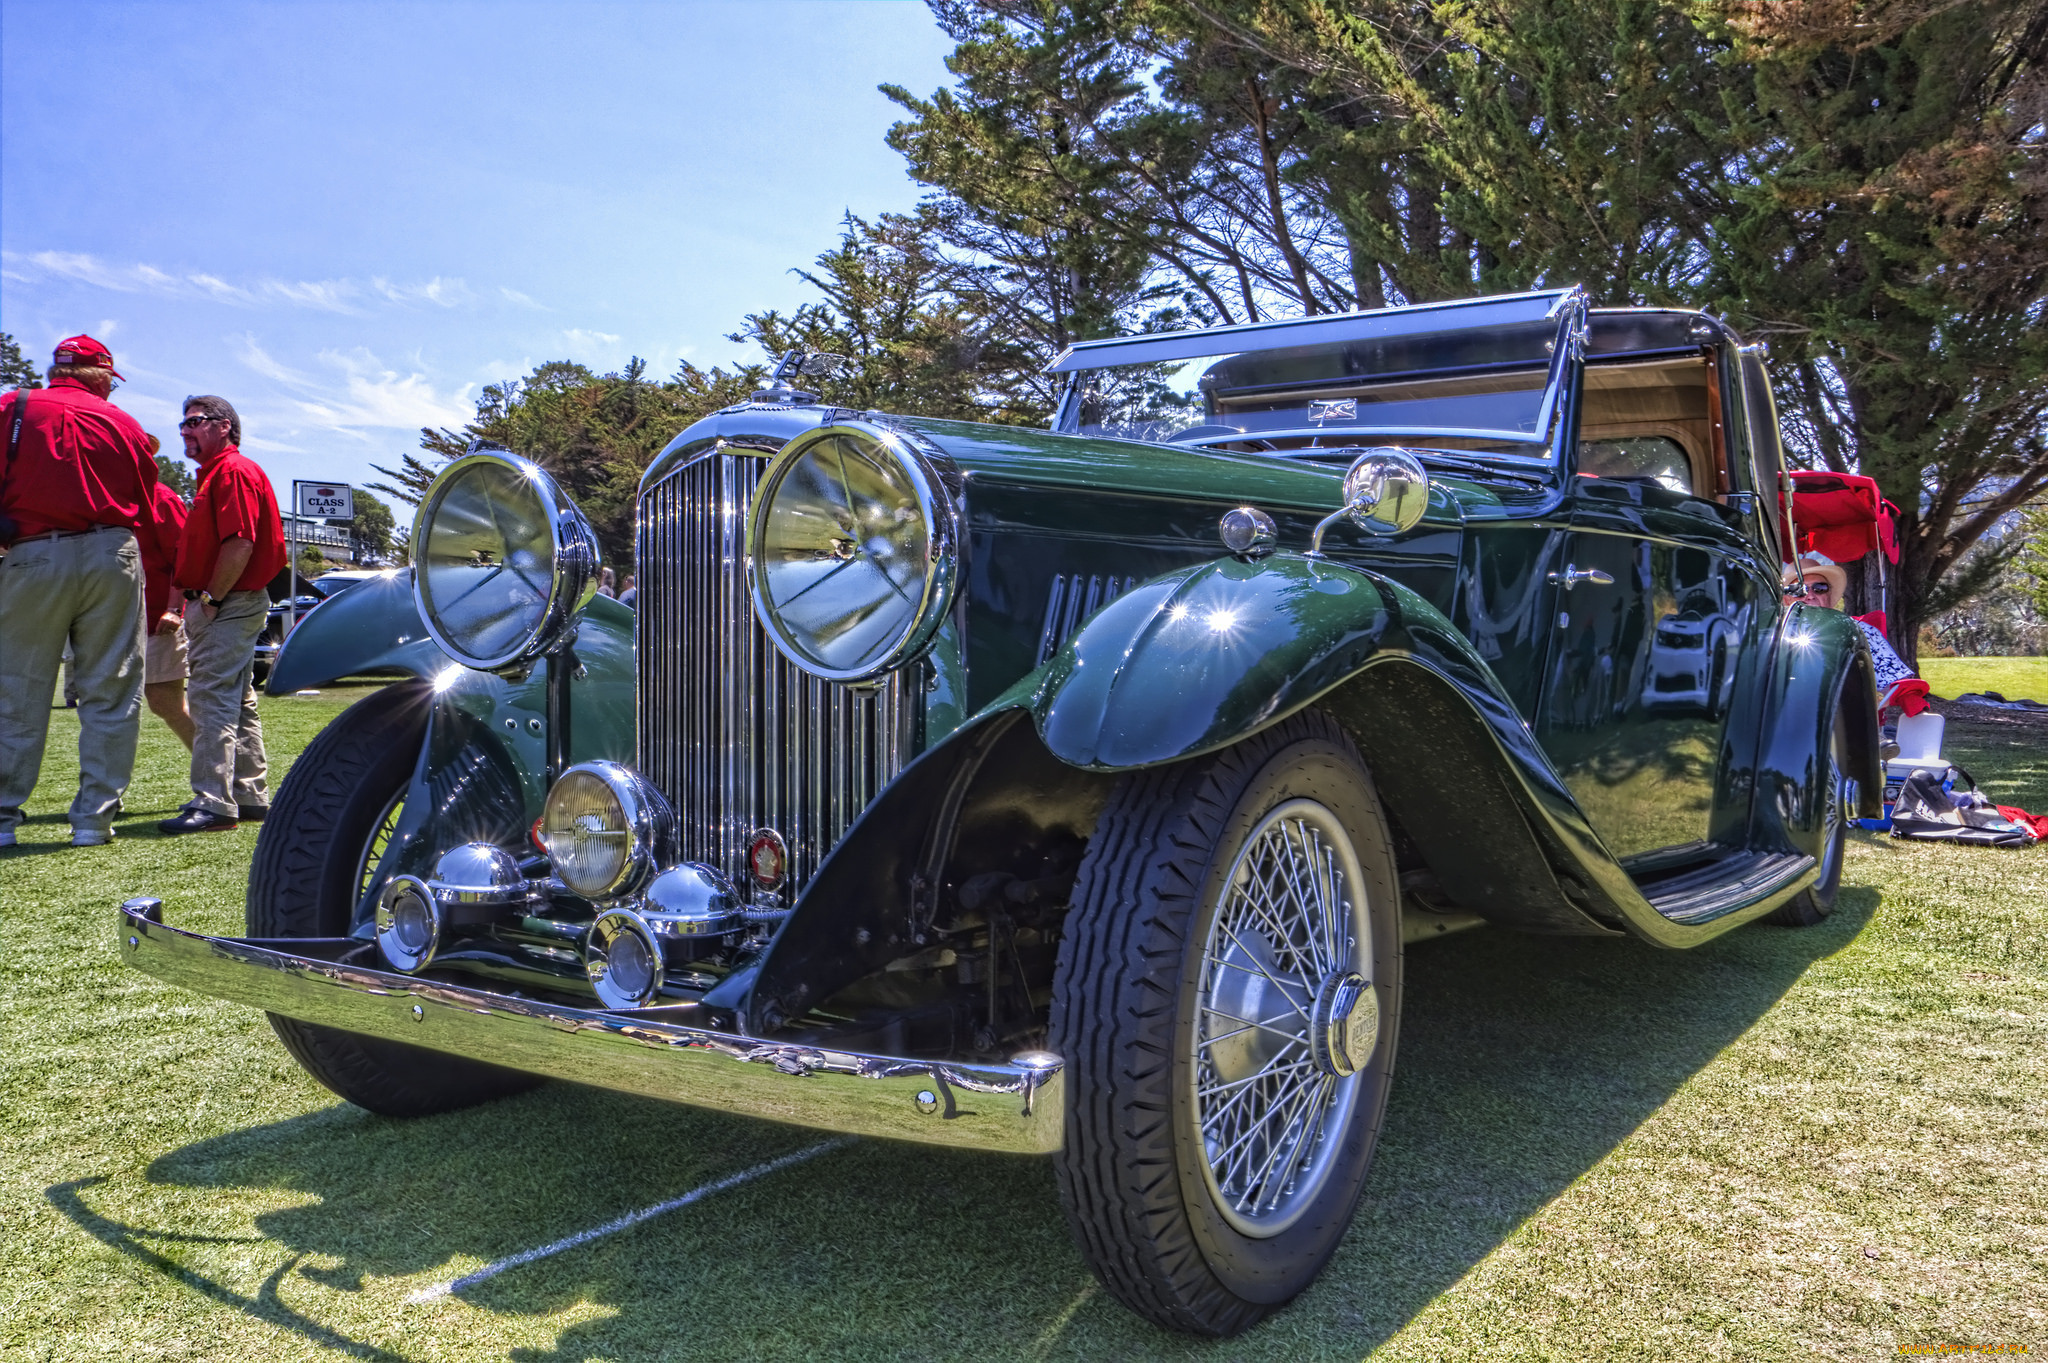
[1478,467]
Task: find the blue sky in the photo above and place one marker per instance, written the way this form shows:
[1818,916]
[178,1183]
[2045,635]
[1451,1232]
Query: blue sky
[347,218]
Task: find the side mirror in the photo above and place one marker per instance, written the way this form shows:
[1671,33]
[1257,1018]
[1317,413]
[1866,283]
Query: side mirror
[1386,491]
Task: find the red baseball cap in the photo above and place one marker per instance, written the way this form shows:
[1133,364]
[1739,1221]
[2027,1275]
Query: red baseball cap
[86,352]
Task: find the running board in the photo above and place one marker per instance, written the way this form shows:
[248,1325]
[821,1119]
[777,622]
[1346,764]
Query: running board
[1731,882]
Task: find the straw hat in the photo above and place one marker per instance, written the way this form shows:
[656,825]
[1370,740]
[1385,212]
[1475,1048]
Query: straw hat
[1821,565]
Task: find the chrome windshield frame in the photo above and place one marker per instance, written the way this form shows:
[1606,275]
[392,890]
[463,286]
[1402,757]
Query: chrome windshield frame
[1567,307]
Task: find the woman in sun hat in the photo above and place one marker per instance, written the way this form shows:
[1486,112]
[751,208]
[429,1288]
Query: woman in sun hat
[1821,583]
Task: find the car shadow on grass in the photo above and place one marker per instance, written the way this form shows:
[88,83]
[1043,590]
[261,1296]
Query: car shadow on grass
[1524,1061]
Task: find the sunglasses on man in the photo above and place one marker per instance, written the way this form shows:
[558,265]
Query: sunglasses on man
[189,422]
[1813,587]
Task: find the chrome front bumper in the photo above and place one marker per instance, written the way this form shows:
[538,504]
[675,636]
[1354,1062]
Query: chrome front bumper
[987,1107]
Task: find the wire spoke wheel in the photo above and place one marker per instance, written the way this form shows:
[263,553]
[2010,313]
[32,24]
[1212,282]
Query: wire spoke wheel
[381,829]
[1227,999]
[1266,1096]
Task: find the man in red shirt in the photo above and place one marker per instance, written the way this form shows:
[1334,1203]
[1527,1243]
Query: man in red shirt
[77,501]
[232,546]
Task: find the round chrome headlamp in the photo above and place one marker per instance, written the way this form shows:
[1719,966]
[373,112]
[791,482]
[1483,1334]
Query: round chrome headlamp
[605,830]
[852,551]
[502,561]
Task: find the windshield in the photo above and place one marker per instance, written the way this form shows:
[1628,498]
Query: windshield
[1474,379]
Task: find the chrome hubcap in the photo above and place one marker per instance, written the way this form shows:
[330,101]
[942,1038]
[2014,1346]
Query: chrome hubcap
[1286,1018]
[1345,1024]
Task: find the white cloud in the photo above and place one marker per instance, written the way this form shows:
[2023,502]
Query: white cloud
[515,297]
[589,345]
[260,360]
[321,295]
[86,270]
[358,394]
[375,395]
[328,295]
[216,288]
[256,444]
[447,293]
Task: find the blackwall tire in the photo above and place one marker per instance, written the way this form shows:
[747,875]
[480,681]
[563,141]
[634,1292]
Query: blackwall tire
[305,880]
[1814,903]
[1171,946]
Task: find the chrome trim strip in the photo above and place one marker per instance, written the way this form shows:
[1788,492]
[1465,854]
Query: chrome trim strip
[1408,319]
[1015,1108]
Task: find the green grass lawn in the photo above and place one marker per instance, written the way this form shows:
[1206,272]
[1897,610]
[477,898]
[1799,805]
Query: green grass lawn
[2013,678]
[1786,1144]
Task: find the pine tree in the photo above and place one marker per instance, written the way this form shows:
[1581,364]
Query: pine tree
[1859,182]
[16,369]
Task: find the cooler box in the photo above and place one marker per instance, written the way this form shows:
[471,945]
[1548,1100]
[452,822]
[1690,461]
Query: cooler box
[1895,773]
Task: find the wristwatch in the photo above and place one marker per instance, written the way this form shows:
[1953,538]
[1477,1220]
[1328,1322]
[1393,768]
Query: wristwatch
[207,598]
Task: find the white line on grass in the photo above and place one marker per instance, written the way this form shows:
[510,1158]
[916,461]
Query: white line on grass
[492,1270]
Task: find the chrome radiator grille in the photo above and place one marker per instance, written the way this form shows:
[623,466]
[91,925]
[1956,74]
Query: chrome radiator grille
[736,736]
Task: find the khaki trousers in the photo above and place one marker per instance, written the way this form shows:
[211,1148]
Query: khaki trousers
[228,764]
[85,590]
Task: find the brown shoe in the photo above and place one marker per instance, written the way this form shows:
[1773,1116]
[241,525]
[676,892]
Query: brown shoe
[196,821]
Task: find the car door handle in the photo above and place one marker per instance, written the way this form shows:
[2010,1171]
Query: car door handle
[1573,575]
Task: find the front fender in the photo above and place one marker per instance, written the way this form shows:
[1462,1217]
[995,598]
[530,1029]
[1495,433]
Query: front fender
[483,761]
[373,627]
[1200,658]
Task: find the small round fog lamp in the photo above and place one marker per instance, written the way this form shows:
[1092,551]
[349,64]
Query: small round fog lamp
[605,830]
[408,923]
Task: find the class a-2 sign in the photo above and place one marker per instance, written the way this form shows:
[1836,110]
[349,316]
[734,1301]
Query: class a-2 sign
[325,501]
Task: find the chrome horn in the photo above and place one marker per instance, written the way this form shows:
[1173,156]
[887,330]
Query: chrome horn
[472,884]
[688,909]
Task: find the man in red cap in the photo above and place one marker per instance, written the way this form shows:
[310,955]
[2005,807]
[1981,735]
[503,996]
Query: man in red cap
[233,545]
[77,496]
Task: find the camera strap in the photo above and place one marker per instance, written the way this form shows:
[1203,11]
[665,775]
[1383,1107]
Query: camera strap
[7,526]
[13,435]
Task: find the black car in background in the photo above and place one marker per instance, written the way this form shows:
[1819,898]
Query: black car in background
[312,591]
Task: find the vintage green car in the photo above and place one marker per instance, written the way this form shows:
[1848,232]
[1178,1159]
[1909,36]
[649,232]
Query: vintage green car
[1068,792]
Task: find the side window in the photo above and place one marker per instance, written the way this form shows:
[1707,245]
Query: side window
[1651,421]
[1656,458]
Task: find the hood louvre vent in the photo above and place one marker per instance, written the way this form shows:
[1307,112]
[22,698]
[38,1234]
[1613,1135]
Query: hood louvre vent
[1072,600]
